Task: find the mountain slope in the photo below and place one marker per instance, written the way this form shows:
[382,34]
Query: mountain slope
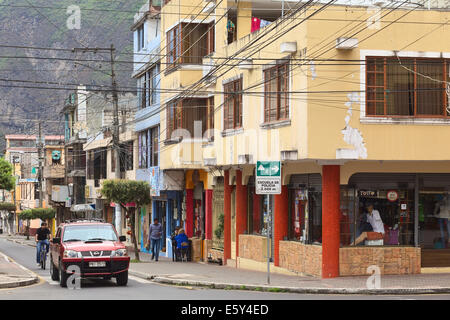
[43,23]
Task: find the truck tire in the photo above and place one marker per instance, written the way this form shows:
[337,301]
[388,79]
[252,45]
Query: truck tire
[54,272]
[122,278]
[62,276]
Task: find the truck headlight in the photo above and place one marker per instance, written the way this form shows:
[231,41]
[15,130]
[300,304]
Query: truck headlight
[71,254]
[119,253]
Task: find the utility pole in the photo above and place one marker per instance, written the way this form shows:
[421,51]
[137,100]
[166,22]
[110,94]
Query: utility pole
[116,139]
[40,146]
[116,133]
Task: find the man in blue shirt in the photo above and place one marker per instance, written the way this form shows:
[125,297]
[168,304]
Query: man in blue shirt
[155,233]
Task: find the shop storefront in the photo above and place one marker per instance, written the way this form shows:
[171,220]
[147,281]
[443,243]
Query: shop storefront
[392,195]
[433,219]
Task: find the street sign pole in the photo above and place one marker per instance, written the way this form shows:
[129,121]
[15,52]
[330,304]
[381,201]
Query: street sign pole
[268,182]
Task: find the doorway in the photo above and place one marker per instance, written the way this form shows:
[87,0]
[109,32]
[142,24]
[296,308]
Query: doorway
[434,229]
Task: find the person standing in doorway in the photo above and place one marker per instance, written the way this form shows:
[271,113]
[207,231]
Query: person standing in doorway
[155,233]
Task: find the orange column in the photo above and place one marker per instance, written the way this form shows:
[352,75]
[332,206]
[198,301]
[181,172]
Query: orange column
[241,208]
[280,222]
[227,217]
[330,220]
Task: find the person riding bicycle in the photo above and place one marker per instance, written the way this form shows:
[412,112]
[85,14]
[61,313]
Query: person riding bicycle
[42,240]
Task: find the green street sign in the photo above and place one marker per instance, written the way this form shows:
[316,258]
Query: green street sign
[268,169]
[268,177]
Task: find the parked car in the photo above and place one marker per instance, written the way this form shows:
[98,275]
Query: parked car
[91,245]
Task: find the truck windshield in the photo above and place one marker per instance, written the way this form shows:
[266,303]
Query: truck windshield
[89,232]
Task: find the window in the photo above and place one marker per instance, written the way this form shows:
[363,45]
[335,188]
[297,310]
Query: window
[189,43]
[392,208]
[149,148]
[140,38]
[187,114]
[412,87]
[173,45]
[96,164]
[276,97]
[154,146]
[126,157]
[148,85]
[143,148]
[211,112]
[36,191]
[233,104]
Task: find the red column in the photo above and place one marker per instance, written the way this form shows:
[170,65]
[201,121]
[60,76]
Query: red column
[208,214]
[256,214]
[189,223]
[330,221]
[280,222]
[227,217]
[241,208]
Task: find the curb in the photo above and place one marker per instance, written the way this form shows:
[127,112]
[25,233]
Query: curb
[19,283]
[282,289]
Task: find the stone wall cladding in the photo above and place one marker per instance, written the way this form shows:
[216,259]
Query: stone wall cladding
[253,247]
[215,254]
[390,260]
[301,258]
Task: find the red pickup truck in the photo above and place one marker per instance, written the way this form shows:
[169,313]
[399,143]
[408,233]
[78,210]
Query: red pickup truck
[90,246]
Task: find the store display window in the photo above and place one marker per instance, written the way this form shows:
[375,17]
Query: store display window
[434,219]
[305,215]
[382,217]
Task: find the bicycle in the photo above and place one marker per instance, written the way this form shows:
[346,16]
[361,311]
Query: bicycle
[43,256]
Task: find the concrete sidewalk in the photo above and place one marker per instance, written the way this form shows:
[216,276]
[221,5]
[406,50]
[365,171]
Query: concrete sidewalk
[13,275]
[225,277]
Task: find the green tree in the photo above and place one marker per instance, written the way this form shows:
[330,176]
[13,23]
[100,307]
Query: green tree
[27,215]
[126,191]
[7,180]
[7,206]
[44,214]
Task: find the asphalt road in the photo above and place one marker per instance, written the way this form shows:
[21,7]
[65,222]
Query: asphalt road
[139,289]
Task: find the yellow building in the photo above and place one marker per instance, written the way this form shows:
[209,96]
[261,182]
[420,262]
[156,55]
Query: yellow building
[354,102]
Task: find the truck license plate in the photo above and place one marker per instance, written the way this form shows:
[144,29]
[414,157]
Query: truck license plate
[97,264]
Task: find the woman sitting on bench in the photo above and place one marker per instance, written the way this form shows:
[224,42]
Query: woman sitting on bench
[182,244]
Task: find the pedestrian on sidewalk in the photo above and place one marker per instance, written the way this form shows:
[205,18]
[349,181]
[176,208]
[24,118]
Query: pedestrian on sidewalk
[42,243]
[155,233]
[174,243]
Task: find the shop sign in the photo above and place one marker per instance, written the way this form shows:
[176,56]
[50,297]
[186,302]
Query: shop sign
[367,193]
[268,177]
[392,195]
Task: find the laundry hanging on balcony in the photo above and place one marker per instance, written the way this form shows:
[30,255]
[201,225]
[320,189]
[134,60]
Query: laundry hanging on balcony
[258,23]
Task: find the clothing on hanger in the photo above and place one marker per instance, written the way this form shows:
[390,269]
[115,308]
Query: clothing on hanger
[256,24]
